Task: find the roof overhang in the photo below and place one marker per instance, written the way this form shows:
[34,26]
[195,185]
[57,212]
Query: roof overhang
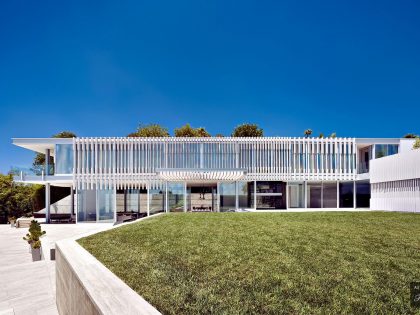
[40,144]
[201,174]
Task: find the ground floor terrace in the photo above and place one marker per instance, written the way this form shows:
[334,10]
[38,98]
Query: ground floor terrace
[121,205]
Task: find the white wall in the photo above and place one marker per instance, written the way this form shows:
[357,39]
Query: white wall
[401,166]
[406,145]
[395,182]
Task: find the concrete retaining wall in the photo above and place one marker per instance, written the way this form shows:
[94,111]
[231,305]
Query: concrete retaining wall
[85,286]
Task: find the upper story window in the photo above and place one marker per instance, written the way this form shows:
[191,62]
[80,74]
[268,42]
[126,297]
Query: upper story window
[63,158]
[382,150]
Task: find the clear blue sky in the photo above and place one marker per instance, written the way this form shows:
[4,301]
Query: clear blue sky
[101,68]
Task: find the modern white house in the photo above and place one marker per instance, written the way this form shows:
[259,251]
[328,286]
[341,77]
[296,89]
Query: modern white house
[119,179]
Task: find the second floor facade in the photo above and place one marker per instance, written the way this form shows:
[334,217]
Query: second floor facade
[114,161]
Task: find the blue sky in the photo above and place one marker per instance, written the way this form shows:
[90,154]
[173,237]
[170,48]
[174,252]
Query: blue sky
[101,68]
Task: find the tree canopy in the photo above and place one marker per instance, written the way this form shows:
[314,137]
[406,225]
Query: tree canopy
[307,133]
[17,200]
[248,130]
[188,131]
[416,144]
[150,130]
[410,136]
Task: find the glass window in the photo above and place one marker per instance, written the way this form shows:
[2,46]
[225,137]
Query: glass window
[201,198]
[120,200]
[157,201]
[63,158]
[329,195]
[227,196]
[314,195]
[106,204]
[296,196]
[176,197]
[86,205]
[363,195]
[245,193]
[271,195]
[382,150]
[346,195]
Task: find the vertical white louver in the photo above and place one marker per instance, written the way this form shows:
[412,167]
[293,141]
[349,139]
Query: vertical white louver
[134,162]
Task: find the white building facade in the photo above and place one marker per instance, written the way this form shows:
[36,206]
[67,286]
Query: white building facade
[118,179]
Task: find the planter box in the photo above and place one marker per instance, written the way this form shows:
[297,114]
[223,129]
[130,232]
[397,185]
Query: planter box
[36,254]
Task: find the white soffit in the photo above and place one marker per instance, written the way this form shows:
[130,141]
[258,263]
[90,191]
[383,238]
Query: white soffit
[200,174]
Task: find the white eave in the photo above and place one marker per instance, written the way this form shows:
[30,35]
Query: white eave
[40,144]
[201,174]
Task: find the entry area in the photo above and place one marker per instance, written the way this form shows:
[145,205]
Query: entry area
[202,197]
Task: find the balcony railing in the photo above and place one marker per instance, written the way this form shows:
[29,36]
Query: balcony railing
[38,170]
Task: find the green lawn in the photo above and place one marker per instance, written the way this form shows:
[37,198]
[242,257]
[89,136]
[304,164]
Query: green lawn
[267,263]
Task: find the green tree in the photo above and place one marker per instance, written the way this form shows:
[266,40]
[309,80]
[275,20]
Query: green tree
[248,130]
[333,135]
[16,200]
[188,131]
[410,136]
[39,159]
[321,135]
[150,130]
[308,133]
[416,144]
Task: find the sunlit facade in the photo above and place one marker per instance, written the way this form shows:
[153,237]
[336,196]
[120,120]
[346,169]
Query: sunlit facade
[119,179]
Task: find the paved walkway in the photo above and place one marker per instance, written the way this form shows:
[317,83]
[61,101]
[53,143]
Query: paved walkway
[28,287]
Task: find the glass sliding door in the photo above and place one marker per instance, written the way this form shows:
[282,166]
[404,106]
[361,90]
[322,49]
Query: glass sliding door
[86,205]
[245,195]
[362,194]
[201,198]
[271,195]
[157,201]
[314,195]
[346,194]
[329,195]
[106,205]
[296,195]
[227,195]
[176,197]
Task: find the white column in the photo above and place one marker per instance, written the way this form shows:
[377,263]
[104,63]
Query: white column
[255,195]
[306,194]
[354,194]
[218,197]
[47,202]
[72,200]
[166,198]
[185,196]
[286,195]
[148,198]
[236,196]
[338,194]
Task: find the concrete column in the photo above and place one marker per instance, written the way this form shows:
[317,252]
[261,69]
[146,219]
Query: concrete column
[47,162]
[47,202]
[306,193]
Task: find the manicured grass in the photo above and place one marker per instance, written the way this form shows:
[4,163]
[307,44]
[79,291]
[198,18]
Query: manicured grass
[267,263]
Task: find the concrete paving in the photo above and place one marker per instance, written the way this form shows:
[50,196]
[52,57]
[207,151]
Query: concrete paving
[28,287]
